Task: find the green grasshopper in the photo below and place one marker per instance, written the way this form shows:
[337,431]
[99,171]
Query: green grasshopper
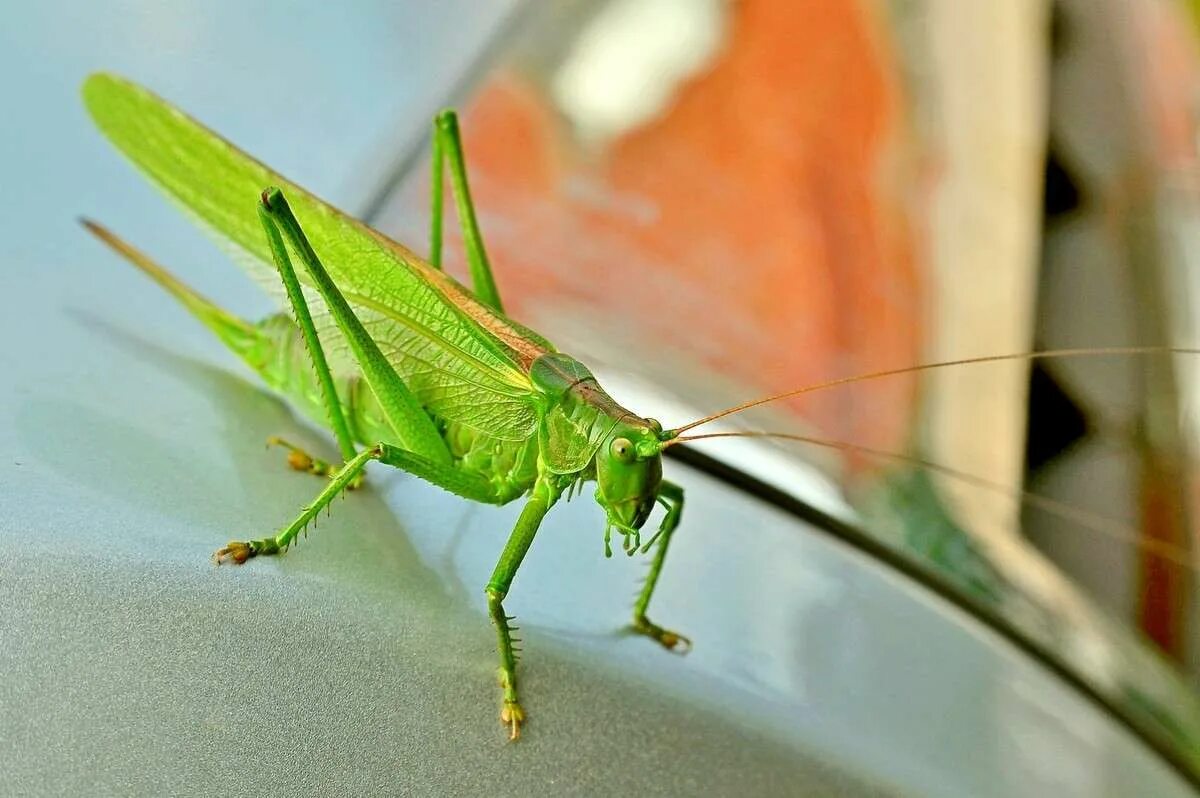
[419,373]
[416,371]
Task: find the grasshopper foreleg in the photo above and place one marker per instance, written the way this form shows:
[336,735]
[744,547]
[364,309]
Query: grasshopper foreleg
[671,496]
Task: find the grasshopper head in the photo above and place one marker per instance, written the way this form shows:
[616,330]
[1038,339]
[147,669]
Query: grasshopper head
[629,472]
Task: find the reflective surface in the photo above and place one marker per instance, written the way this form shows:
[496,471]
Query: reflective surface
[362,661]
[749,226]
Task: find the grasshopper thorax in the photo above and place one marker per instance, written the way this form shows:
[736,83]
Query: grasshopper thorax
[584,431]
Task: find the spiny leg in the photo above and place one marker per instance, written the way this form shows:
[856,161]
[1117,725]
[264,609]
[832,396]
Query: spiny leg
[425,453]
[462,483]
[448,147]
[238,551]
[298,458]
[437,210]
[511,713]
[671,495]
[404,413]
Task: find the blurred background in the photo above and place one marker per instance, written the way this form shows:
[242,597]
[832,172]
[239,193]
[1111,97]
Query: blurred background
[731,199]
[709,201]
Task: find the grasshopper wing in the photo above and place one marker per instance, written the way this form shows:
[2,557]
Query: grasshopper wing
[464,361]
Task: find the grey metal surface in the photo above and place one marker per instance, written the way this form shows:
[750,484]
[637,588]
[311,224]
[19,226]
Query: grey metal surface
[362,662]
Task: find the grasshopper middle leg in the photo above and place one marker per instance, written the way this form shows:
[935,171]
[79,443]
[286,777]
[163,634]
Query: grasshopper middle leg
[542,498]
[239,551]
[459,482]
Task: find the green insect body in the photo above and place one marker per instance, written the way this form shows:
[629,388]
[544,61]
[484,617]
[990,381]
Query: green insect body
[409,368]
[403,364]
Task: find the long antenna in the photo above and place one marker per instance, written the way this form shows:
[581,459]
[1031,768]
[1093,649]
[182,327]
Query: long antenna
[1105,526]
[1043,355]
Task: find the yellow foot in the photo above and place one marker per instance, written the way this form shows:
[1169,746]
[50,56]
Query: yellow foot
[671,641]
[300,460]
[512,716]
[236,551]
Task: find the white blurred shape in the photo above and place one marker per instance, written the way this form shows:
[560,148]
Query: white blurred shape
[628,61]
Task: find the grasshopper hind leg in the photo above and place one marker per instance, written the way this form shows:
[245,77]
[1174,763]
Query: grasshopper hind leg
[448,152]
[336,413]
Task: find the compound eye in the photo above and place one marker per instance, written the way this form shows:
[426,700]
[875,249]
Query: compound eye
[622,449]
